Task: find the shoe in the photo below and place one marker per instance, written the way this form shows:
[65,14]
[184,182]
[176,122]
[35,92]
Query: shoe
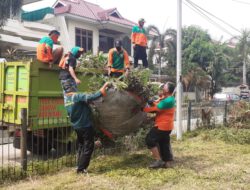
[169,164]
[84,171]
[157,164]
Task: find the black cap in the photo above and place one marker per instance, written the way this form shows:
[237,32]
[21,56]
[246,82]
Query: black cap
[68,87]
[54,32]
[118,43]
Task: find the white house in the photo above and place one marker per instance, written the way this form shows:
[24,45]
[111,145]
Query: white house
[81,23]
[22,36]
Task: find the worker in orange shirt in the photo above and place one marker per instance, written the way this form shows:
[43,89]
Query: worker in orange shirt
[45,51]
[139,40]
[118,61]
[158,138]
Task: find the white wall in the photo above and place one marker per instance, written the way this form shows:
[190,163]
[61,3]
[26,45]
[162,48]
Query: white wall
[72,24]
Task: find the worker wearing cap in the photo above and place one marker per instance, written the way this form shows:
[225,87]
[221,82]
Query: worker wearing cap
[158,138]
[118,61]
[68,64]
[79,112]
[139,40]
[45,51]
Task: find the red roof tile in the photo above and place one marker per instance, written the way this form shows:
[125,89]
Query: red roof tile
[91,11]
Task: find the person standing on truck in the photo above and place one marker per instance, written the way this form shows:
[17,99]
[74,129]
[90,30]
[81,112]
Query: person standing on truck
[45,51]
[68,64]
[139,41]
[158,138]
[118,61]
[79,111]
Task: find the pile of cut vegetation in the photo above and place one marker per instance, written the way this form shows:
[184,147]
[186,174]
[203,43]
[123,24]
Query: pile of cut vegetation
[120,111]
[240,115]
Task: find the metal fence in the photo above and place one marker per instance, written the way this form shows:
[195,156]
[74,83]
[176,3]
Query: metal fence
[38,146]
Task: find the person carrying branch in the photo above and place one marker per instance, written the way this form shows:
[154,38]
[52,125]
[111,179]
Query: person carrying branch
[79,112]
[68,64]
[158,138]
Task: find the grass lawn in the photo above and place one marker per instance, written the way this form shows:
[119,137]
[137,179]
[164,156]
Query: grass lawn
[203,160]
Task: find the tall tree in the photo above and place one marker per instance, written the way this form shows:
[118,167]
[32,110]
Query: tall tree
[197,46]
[163,45]
[8,8]
[244,51]
[218,65]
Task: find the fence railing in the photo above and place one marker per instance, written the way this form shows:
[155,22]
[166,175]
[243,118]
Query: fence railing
[48,144]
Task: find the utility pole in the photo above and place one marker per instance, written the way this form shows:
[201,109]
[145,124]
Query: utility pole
[178,73]
[244,67]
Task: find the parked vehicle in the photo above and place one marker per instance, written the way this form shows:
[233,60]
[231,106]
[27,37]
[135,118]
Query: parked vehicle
[36,87]
[221,98]
[244,92]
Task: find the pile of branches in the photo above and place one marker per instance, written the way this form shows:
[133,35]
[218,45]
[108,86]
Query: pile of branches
[240,115]
[90,63]
[136,82]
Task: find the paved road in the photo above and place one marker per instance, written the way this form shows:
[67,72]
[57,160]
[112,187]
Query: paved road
[8,154]
[4,137]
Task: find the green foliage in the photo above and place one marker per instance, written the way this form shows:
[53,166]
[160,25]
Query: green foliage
[243,50]
[165,43]
[136,82]
[228,135]
[213,58]
[201,162]
[136,140]
[193,32]
[90,61]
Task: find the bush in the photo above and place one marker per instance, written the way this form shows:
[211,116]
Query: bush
[229,135]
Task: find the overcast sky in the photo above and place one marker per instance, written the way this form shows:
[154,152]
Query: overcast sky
[163,13]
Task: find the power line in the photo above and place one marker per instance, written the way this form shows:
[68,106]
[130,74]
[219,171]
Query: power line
[207,18]
[189,1]
[195,9]
[243,2]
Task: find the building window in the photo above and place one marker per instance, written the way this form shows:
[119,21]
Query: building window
[84,39]
[105,43]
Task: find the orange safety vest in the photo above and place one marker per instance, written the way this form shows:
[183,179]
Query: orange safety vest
[164,119]
[44,50]
[64,61]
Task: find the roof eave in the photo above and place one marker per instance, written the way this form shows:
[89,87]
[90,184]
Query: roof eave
[80,18]
[118,24]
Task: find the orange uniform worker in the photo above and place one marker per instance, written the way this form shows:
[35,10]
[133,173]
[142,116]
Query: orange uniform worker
[118,61]
[45,51]
[140,41]
[68,65]
[158,138]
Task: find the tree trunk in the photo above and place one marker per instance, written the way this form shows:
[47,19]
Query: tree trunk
[197,94]
[159,69]
[244,72]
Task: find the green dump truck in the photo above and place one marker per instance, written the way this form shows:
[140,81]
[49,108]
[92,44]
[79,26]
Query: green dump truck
[35,86]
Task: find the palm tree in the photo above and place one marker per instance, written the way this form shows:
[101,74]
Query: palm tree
[162,44]
[194,76]
[218,66]
[244,50]
[7,8]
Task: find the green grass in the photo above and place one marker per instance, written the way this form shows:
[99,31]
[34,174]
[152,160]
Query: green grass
[205,159]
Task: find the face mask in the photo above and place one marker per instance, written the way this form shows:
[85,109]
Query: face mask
[54,37]
[118,48]
[141,24]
